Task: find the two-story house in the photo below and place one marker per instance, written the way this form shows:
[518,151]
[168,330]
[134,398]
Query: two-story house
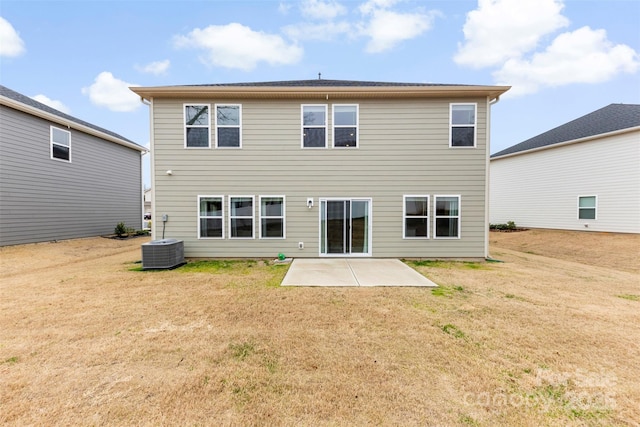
[319,168]
[585,173]
[62,177]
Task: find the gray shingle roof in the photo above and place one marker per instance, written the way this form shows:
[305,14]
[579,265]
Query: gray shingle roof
[608,119]
[325,83]
[12,94]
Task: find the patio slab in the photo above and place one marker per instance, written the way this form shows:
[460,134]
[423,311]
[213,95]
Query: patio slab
[353,272]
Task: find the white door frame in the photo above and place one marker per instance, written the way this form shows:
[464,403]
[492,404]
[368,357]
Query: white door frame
[322,236]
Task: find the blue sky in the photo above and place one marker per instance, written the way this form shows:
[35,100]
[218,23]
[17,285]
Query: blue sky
[564,59]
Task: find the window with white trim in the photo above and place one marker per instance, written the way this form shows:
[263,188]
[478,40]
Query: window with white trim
[587,207]
[447,217]
[241,217]
[416,217]
[228,126]
[462,125]
[345,125]
[314,126]
[272,225]
[210,217]
[60,144]
[196,126]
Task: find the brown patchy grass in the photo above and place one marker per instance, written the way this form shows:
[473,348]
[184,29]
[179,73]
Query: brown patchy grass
[535,340]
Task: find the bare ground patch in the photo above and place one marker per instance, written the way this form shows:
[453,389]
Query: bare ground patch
[615,250]
[535,340]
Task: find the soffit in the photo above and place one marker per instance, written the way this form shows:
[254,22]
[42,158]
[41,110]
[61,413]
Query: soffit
[326,93]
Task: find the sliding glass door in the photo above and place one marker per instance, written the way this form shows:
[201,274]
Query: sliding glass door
[345,227]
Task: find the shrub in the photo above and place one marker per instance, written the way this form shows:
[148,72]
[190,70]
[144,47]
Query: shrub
[510,225]
[121,229]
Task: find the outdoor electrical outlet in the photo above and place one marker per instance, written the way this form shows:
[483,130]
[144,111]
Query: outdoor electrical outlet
[300,245]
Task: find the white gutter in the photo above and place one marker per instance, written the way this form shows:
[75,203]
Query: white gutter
[68,123]
[573,141]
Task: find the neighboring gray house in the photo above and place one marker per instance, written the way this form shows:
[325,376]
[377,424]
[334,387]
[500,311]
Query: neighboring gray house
[61,177]
[583,175]
[321,168]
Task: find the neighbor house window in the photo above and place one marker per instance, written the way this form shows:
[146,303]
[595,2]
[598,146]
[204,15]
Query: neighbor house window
[587,206]
[416,217]
[345,125]
[228,126]
[210,217]
[60,144]
[241,217]
[196,126]
[314,126]
[463,125]
[447,217]
[272,217]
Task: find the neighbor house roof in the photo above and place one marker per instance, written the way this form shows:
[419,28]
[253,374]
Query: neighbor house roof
[320,89]
[18,101]
[612,118]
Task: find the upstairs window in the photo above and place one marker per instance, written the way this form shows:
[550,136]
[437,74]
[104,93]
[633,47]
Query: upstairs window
[196,123]
[345,126]
[228,125]
[416,217]
[463,125]
[314,126]
[60,144]
[447,213]
[210,220]
[587,206]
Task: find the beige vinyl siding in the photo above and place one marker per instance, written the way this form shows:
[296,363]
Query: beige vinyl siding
[540,189]
[403,149]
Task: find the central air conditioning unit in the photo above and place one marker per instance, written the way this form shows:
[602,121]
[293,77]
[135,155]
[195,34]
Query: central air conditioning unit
[162,254]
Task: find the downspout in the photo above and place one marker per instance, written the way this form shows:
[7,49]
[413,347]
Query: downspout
[487,177]
[149,103]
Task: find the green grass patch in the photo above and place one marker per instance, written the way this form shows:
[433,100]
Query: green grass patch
[630,297]
[457,265]
[561,400]
[447,291]
[243,350]
[11,360]
[452,330]
[468,420]
[215,266]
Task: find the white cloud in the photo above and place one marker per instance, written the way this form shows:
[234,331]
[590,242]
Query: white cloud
[319,9]
[387,28]
[581,56]
[323,31]
[237,46]
[503,29]
[157,67]
[371,5]
[10,42]
[506,35]
[112,93]
[58,105]
[284,8]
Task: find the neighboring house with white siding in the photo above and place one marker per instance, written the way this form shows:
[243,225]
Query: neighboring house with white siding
[317,168]
[582,175]
[61,177]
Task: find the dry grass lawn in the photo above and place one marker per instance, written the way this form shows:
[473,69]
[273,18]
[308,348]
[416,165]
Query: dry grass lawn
[550,336]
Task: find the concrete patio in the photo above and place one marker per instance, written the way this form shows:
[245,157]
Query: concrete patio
[353,272]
